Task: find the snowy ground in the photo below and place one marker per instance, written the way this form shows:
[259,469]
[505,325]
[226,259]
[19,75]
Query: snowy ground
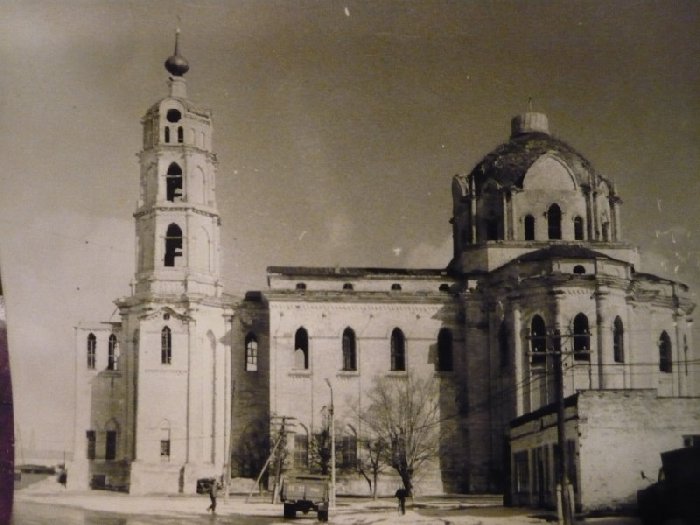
[468,510]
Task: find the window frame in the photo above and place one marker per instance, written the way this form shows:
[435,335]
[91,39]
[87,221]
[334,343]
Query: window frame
[398,350]
[166,346]
[349,349]
[91,351]
[251,352]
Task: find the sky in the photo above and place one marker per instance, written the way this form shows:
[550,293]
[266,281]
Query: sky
[338,127]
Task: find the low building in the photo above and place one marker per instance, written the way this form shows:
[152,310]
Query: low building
[614,438]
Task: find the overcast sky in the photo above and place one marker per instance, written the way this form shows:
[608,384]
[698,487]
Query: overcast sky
[338,128]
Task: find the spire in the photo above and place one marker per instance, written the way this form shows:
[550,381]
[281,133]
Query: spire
[176,64]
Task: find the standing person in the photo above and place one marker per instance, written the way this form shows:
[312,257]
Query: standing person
[401,496]
[213,492]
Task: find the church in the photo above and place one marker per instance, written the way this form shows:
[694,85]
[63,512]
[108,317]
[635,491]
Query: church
[190,381]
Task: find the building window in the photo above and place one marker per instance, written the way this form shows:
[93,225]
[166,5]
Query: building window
[173,244]
[112,357]
[665,353]
[578,229]
[166,346]
[173,183]
[165,450]
[301,451]
[349,350]
[301,287]
[618,341]
[444,353]
[167,134]
[529,228]
[492,229]
[301,349]
[347,286]
[396,287]
[606,231]
[173,115]
[91,351]
[691,441]
[398,350]
[91,443]
[503,349]
[165,442]
[180,135]
[521,466]
[538,340]
[111,445]
[347,452]
[554,222]
[579,269]
[251,353]
[582,338]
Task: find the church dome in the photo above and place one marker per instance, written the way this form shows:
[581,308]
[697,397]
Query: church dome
[529,140]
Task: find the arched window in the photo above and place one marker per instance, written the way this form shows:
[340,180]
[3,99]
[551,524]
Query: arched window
[112,358]
[579,269]
[166,346]
[251,353]
[554,222]
[444,350]
[529,228]
[173,182]
[538,340]
[618,341]
[665,353]
[180,134]
[173,244]
[582,338]
[349,350]
[301,349]
[91,351]
[503,349]
[398,350]
[167,134]
[578,229]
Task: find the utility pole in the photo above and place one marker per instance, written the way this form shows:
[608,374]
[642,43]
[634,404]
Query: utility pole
[332,414]
[566,516]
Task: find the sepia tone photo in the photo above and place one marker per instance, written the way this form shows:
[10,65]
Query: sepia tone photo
[395,261]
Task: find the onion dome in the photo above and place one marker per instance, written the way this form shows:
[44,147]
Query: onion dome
[176,64]
[529,140]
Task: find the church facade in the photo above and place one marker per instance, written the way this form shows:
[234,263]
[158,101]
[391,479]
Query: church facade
[190,378]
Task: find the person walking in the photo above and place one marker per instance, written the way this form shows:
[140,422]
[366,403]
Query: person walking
[213,492]
[401,496]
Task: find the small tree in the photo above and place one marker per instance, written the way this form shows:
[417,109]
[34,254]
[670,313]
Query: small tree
[321,450]
[403,414]
[376,452]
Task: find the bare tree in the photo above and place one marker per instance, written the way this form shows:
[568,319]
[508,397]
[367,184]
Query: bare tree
[320,453]
[376,450]
[403,412]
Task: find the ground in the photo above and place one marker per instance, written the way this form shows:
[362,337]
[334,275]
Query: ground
[31,504]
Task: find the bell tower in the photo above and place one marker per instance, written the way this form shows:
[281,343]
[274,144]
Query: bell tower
[175,325]
[177,222]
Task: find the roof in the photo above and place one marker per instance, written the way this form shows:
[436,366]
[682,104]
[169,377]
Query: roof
[325,271]
[562,251]
[509,162]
